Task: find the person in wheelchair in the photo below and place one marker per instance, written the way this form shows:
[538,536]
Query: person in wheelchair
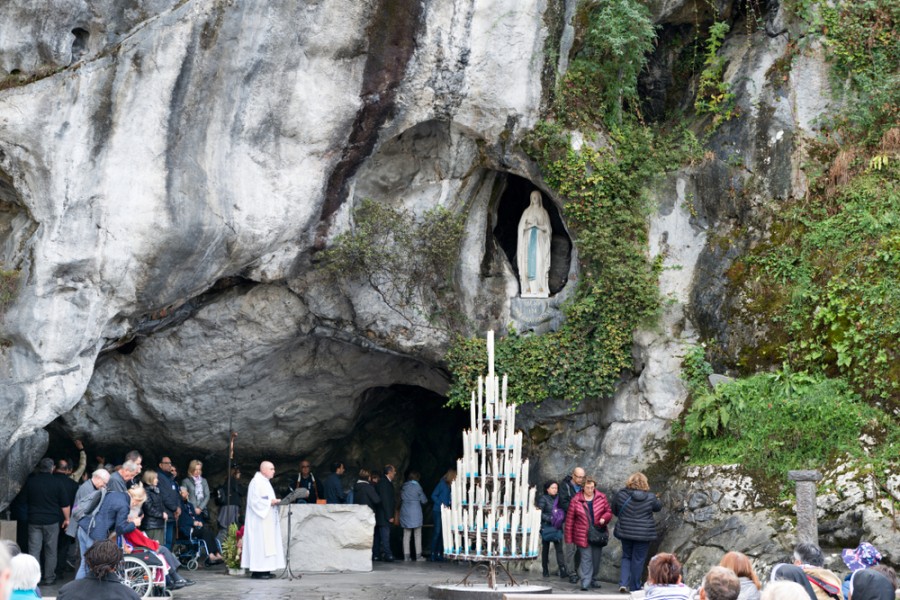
[137,539]
[190,526]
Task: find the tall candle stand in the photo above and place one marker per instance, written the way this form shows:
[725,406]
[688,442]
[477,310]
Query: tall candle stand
[492,519]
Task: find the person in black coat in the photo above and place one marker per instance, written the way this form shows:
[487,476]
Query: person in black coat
[384,514]
[155,515]
[549,533]
[102,559]
[171,499]
[634,506]
[364,493]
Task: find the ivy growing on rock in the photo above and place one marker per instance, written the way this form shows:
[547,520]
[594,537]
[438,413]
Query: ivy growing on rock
[407,260]
[606,208]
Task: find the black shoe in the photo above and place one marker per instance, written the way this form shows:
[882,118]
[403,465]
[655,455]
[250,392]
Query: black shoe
[188,582]
[584,588]
[178,585]
[573,578]
[261,575]
[563,573]
[546,573]
[623,589]
[388,559]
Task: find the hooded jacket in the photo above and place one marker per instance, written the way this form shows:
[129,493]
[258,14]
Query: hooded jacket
[866,584]
[635,509]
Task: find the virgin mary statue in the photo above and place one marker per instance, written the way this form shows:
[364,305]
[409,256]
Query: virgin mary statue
[533,251]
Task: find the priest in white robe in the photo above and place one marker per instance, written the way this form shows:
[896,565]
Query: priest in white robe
[262,551]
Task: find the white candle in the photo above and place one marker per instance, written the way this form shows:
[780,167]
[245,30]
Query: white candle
[504,388]
[490,349]
[478,529]
[472,407]
[531,497]
[512,420]
[445,526]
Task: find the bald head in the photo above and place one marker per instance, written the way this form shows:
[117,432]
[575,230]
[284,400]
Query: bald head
[267,469]
[578,476]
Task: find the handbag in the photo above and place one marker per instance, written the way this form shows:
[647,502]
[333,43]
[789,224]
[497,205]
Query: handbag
[596,536]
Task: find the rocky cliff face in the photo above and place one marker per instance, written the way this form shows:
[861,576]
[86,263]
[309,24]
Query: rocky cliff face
[171,171]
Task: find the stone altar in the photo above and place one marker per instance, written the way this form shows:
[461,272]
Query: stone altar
[328,538]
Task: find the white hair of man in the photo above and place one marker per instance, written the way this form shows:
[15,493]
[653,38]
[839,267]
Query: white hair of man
[100,476]
[25,572]
[130,466]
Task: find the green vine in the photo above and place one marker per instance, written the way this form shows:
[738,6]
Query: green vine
[407,260]
[606,208]
[714,95]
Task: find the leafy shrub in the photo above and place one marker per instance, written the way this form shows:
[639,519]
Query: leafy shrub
[409,261]
[771,423]
[602,78]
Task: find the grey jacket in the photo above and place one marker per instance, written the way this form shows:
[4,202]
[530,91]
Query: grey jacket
[188,482]
[412,499]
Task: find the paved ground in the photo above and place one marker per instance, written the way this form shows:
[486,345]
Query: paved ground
[389,581]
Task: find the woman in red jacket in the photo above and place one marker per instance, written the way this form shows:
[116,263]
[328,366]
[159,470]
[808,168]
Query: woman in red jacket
[588,507]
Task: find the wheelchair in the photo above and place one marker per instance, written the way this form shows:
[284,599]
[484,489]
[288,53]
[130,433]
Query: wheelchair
[142,571]
[190,550]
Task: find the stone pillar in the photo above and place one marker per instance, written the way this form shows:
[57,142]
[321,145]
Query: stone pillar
[807,523]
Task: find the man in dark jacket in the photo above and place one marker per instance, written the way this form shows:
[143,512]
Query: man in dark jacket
[112,516]
[384,514]
[364,493]
[48,508]
[571,485]
[63,473]
[334,490]
[171,499]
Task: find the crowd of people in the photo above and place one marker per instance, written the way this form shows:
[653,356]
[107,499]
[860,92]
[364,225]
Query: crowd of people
[72,516]
[66,512]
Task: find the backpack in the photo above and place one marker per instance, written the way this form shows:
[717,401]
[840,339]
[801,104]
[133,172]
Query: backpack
[89,505]
[557,515]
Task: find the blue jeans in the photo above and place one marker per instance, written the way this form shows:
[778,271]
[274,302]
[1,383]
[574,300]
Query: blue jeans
[84,542]
[634,554]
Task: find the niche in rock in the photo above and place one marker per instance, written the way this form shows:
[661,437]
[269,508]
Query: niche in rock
[514,199]
[80,43]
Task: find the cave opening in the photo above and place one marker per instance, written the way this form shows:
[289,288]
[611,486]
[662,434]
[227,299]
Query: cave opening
[407,426]
[514,199]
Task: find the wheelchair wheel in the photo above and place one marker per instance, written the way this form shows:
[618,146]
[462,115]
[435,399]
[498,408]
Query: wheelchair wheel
[137,575]
[192,564]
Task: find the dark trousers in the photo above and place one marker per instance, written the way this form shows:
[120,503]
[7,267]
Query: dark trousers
[62,552]
[634,554]
[381,544]
[545,555]
[170,534]
[437,542]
